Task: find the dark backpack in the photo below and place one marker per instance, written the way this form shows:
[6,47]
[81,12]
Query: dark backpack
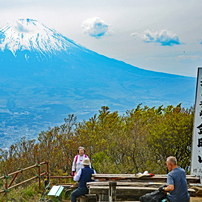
[155,196]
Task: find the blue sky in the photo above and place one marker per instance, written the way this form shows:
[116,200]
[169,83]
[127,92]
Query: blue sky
[158,35]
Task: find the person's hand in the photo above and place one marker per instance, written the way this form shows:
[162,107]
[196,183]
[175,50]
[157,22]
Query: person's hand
[74,173]
[161,189]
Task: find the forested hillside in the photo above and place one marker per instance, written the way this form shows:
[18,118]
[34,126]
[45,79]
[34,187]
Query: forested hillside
[139,140]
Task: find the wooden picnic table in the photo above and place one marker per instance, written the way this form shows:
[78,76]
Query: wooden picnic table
[130,185]
[141,178]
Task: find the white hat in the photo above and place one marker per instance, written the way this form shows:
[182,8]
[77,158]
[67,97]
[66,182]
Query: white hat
[86,161]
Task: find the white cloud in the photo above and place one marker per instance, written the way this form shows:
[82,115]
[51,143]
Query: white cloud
[135,35]
[95,27]
[164,37]
[189,57]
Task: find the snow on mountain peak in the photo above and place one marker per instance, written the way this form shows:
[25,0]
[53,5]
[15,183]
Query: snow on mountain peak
[30,35]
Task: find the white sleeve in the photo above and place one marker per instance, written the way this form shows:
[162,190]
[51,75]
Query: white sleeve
[74,165]
[95,173]
[77,176]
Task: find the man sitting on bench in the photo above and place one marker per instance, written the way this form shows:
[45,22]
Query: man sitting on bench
[176,181]
[84,175]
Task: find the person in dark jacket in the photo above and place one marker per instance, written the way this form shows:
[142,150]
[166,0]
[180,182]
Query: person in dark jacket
[83,176]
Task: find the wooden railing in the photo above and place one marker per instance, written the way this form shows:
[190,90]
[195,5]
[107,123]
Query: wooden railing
[7,176]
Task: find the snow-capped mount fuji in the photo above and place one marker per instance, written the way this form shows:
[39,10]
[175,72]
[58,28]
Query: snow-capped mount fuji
[30,35]
[45,76]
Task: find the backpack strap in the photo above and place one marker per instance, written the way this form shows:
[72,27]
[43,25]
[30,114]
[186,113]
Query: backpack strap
[76,158]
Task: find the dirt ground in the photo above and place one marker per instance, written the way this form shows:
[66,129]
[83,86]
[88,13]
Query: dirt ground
[193,199]
[196,199]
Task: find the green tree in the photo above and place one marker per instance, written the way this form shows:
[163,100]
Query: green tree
[171,135]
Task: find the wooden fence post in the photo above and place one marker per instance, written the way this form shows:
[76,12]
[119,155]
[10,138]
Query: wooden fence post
[47,171]
[39,174]
[112,191]
[6,186]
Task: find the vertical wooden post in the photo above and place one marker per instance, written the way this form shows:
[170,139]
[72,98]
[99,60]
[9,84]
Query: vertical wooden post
[13,180]
[39,174]
[6,186]
[103,197]
[47,171]
[82,199]
[112,191]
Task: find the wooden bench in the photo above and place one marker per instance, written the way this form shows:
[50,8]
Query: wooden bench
[93,198]
[133,184]
[88,198]
[124,190]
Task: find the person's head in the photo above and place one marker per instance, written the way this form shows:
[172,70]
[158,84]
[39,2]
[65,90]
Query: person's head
[171,163]
[86,162]
[81,151]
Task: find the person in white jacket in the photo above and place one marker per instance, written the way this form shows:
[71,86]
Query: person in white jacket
[78,159]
